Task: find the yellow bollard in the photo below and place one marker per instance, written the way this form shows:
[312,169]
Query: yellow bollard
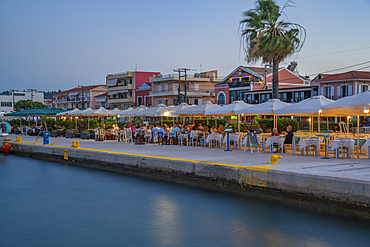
[73,144]
[35,142]
[52,144]
[274,159]
[18,139]
[77,145]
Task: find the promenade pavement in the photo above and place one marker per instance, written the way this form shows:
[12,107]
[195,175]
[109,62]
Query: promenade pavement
[355,169]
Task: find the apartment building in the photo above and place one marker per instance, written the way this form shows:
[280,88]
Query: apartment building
[122,88]
[83,96]
[167,89]
[8,100]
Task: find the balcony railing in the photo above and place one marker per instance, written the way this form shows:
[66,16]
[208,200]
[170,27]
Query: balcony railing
[239,84]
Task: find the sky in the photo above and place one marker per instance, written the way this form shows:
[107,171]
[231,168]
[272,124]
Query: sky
[52,44]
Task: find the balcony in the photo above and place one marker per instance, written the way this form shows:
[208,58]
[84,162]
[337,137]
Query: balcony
[122,100]
[127,87]
[239,84]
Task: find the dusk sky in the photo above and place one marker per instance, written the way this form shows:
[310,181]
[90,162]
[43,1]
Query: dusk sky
[51,45]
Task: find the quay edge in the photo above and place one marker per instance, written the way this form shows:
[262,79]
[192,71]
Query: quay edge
[346,197]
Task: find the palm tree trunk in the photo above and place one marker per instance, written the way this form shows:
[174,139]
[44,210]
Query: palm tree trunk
[275,79]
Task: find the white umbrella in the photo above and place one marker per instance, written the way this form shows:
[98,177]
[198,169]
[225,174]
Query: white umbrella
[267,108]
[229,110]
[308,107]
[358,104]
[139,109]
[124,113]
[150,112]
[79,113]
[68,112]
[197,111]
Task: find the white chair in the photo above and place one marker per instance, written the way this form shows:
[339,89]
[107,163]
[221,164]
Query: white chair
[194,140]
[253,142]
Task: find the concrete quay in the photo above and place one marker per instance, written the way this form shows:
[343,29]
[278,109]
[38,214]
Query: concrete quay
[340,186]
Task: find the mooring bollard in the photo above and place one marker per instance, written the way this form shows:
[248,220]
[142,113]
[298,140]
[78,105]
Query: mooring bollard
[274,159]
[77,145]
[52,144]
[18,139]
[73,144]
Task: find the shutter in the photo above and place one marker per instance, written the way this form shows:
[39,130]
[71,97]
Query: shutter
[322,91]
[175,87]
[331,92]
[199,101]
[349,90]
[338,92]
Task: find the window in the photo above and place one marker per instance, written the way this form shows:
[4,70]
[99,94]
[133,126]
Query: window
[159,88]
[327,92]
[130,94]
[130,81]
[344,91]
[196,87]
[166,101]
[166,87]
[147,100]
[159,101]
[175,87]
[221,99]
[364,88]
[139,100]
[262,97]
[175,100]
[6,104]
[195,101]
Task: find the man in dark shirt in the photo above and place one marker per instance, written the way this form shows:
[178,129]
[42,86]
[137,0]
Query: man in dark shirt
[289,135]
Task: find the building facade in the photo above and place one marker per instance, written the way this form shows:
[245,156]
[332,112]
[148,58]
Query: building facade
[7,101]
[253,85]
[79,97]
[122,88]
[200,88]
[336,86]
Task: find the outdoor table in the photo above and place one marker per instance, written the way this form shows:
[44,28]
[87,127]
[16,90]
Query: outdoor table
[335,144]
[367,144]
[214,137]
[304,143]
[275,140]
[182,137]
[232,137]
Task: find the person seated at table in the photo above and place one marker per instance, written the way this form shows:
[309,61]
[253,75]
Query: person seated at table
[213,129]
[289,136]
[220,129]
[175,133]
[161,133]
[193,130]
[185,130]
[154,130]
[275,132]
[207,130]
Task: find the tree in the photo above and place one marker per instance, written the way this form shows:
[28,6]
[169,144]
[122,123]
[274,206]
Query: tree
[264,35]
[24,104]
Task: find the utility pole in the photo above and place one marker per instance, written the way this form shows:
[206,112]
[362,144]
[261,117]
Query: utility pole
[13,99]
[32,90]
[82,97]
[179,89]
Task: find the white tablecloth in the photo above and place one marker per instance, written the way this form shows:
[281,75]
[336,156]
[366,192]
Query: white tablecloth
[336,144]
[214,136]
[303,143]
[272,140]
[232,137]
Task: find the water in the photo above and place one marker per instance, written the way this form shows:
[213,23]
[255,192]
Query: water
[46,203]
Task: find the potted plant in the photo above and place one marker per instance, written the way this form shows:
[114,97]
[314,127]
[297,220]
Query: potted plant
[69,133]
[54,133]
[85,135]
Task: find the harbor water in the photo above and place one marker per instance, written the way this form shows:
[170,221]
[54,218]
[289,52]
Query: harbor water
[45,203]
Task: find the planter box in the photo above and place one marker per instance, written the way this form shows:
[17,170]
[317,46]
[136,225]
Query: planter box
[70,135]
[54,135]
[85,136]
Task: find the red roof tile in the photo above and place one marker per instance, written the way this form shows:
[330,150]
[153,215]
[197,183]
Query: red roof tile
[351,75]
[76,89]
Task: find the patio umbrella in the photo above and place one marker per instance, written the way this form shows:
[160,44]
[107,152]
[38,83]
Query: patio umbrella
[123,113]
[229,110]
[308,108]
[197,111]
[267,108]
[66,113]
[355,105]
[138,109]
[150,112]
[102,112]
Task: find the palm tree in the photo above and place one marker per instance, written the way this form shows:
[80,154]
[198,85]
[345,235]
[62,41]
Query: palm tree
[264,35]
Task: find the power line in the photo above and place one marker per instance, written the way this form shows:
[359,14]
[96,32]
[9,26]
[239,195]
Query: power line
[342,68]
[337,52]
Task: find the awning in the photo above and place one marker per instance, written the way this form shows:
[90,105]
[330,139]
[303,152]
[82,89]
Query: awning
[111,82]
[117,92]
[100,99]
[74,93]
